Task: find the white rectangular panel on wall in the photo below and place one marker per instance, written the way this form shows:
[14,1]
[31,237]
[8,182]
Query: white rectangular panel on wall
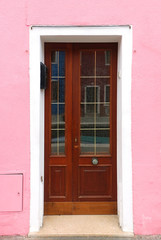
[11,192]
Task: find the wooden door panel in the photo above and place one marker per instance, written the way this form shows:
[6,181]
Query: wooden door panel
[95,183]
[79,208]
[87,160]
[57,185]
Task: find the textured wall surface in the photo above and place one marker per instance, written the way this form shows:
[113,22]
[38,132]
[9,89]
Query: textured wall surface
[15,19]
[14,107]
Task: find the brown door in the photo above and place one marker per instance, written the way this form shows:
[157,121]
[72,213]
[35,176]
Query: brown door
[80,129]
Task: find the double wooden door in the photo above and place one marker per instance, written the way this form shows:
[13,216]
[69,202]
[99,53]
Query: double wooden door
[80,129]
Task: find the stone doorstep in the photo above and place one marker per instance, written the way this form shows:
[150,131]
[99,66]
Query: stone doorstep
[83,226]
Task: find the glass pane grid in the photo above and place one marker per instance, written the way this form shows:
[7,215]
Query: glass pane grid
[89,129]
[95,104]
[55,78]
[58,103]
[95,76]
[53,129]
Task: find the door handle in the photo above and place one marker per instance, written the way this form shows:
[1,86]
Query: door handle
[94,161]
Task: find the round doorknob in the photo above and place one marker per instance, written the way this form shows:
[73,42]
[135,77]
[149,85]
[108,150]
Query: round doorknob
[94,161]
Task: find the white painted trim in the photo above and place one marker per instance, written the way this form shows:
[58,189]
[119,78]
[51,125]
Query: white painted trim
[120,34]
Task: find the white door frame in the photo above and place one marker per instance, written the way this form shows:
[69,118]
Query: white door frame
[120,34]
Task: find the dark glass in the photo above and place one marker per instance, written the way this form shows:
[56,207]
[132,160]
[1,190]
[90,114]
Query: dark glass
[54,55]
[58,113]
[92,94]
[107,93]
[87,141]
[103,141]
[107,57]
[103,118]
[61,142]
[62,90]
[53,142]
[102,63]
[58,64]
[58,90]
[90,108]
[87,119]
[57,142]
[87,63]
[87,85]
[54,90]
[61,63]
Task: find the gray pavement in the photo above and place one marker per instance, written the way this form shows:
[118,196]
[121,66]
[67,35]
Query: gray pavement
[138,237]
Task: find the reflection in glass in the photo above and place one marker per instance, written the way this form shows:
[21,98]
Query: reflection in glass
[103,141]
[107,57]
[107,93]
[54,90]
[87,63]
[57,142]
[54,57]
[103,63]
[58,64]
[87,141]
[57,111]
[95,102]
[103,119]
[58,102]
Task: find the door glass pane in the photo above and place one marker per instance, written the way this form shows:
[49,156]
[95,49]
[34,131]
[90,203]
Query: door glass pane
[87,63]
[95,102]
[103,141]
[58,103]
[58,141]
[103,63]
[103,130]
[87,141]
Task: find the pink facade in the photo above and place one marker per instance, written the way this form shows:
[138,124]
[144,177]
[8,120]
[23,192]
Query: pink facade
[15,19]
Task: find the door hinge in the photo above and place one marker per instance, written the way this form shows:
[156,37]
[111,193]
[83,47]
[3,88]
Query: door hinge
[42,179]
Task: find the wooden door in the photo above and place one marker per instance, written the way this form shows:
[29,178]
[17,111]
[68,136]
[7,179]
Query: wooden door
[80,129]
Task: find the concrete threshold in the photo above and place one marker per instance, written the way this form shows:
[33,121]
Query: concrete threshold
[81,226]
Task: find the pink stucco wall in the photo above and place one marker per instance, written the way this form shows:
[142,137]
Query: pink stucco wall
[15,19]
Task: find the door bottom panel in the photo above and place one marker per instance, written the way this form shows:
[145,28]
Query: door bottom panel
[80,208]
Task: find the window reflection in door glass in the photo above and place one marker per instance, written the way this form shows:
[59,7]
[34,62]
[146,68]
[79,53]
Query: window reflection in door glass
[95,102]
[58,102]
